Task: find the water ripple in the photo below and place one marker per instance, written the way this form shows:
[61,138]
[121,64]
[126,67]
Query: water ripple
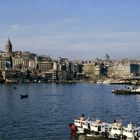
[45,115]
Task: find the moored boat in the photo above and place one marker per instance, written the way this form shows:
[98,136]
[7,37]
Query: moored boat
[131,132]
[78,125]
[99,128]
[102,130]
[116,130]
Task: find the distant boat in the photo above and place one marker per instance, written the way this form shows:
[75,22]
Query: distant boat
[15,88]
[129,90]
[23,96]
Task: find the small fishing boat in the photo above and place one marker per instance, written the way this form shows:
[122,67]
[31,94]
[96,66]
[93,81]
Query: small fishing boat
[131,132]
[116,130]
[24,96]
[99,128]
[77,126]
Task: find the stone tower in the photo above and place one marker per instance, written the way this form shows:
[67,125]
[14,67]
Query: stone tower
[8,47]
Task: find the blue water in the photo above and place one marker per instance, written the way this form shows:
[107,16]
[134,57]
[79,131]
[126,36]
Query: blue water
[48,110]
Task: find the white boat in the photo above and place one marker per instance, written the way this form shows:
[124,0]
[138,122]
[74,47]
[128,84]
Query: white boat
[116,130]
[131,132]
[99,128]
[79,124]
[99,82]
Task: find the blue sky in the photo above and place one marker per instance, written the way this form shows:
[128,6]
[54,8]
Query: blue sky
[82,29]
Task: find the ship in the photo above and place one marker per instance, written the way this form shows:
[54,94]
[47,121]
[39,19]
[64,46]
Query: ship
[127,90]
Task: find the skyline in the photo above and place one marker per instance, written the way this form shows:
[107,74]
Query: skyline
[83,29]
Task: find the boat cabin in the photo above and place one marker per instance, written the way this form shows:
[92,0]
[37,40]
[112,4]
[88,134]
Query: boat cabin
[100,127]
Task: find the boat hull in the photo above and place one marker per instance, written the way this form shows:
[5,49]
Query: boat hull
[125,92]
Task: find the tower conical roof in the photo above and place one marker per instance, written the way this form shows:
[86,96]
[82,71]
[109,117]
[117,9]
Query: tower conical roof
[8,46]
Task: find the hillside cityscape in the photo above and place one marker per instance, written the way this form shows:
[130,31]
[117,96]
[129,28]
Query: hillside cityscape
[18,66]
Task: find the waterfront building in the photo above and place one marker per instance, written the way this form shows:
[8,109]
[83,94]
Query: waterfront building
[79,71]
[2,64]
[49,75]
[5,63]
[119,69]
[17,62]
[69,71]
[13,75]
[88,69]
[135,69]
[103,69]
[32,64]
[55,66]
[97,70]
[45,66]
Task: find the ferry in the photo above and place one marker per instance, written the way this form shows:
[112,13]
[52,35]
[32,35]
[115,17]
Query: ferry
[129,90]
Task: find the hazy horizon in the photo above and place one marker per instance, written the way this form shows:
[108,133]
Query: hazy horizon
[77,29]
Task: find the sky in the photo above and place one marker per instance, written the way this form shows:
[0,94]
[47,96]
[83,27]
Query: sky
[77,29]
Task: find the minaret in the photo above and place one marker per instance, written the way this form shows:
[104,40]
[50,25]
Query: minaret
[8,47]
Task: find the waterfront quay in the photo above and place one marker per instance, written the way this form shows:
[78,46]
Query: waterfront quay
[27,67]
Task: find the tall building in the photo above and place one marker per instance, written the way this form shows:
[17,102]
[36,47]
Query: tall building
[8,47]
[107,57]
[7,56]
